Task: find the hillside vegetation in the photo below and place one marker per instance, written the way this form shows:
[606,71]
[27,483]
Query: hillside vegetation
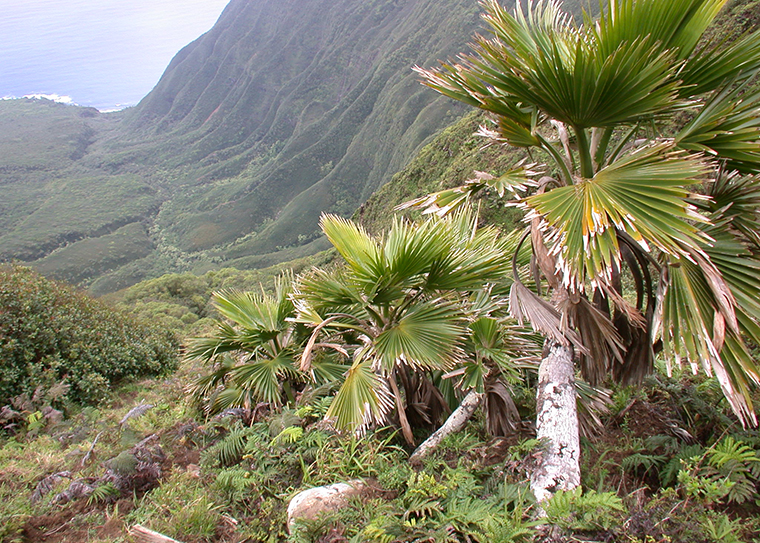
[54,337]
[282,111]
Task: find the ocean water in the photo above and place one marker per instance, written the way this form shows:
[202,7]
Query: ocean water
[106,54]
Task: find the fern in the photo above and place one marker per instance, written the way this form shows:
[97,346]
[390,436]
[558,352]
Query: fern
[669,445]
[469,516]
[420,507]
[669,472]
[642,463]
[738,463]
[234,483]
[229,450]
[288,436]
[376,531]
[574,510]
[104,493]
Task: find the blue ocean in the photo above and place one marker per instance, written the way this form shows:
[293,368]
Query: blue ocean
[106,54]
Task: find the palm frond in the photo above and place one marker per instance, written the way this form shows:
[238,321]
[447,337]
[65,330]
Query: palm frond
[642,195]
[262,377]
[427,335]
[325,291]
[255,312]
[726,127]
[672,24]
[363,399]
[712,65]
[735,202]
[517,178]
[685,314]
[354,244]
[225,340]
[598,334]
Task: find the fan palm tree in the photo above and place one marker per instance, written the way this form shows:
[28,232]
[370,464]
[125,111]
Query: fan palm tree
[255,351]
[402,311]
[644,222]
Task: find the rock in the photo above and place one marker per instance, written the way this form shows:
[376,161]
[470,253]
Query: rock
[52,416]
[194,471]
[310,503]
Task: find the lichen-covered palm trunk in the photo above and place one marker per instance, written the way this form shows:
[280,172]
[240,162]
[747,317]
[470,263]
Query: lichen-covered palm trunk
[557,424]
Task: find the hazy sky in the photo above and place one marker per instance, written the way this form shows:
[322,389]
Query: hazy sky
[102,53]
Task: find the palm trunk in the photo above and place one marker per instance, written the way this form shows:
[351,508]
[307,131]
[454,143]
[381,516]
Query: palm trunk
[557,425]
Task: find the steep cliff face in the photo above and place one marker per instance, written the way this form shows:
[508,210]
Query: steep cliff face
[300,106]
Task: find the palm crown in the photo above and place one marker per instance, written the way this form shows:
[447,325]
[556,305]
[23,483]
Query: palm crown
[651,139]
[401,309]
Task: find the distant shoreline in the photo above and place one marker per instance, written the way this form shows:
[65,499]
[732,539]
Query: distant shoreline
[67,100]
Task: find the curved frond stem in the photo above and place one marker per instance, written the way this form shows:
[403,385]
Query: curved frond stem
[584,152]
[567,176]
[305,364]
[406,429]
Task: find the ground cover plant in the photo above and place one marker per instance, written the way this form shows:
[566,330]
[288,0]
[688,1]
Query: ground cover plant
[658,472]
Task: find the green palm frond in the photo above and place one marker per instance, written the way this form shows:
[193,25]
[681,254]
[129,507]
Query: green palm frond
[737,368]
[727,128]
[474,256]
[642,195]
[354,244]
[541,60]
[254,312]
[692,325]
[262,377]
[227,398]
[225,340]
[671,24]
[735,202]
[685,316]
[363,399]
[715,63]
[260,331]
[327,371]
[409,248]
[428,336]
[320,289]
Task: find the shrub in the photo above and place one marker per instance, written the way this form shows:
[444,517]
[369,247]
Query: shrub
[49,332]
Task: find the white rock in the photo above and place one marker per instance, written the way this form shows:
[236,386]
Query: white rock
[310,503]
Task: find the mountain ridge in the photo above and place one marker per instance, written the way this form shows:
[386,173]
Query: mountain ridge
[282,111]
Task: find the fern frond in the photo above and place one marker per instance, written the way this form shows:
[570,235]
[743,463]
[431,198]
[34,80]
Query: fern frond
[104,493]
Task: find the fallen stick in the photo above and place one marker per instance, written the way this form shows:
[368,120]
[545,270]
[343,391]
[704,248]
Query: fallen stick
[454,423]
[92,448]
[144,535]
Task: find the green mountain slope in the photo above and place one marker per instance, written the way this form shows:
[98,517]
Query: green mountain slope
[285,109]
